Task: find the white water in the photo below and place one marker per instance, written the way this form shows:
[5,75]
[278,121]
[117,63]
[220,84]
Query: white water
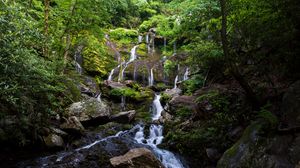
[155,138]
[147,38]
[157,108]
[151,78]
[131,59]
[78,68]
[98,97]
[175,82]
[186,74]
[140,38]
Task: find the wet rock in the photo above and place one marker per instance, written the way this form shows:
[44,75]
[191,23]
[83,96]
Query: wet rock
[53,140]
[90,112]
[213,154]
[136,158]
[114,85]
[173,92]
[253,150]
[73,126]
[291,106]
[124,117]
[236,133]
[187,102]
[58,131]
[165,117]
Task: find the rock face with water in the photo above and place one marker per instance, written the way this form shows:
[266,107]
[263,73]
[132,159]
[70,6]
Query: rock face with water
[90,112]
[136,158]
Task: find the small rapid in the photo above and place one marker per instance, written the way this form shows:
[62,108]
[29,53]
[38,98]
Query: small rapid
[168,159]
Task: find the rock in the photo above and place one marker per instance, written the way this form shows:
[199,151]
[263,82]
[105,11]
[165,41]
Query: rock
[291,106]
[114,85]
[165,117]
[236,133]
[183,101]
[136,158]
[173,92]
[90,112]
[53,140]
[72,125]
[253,150]
[58,131]
[124,117]
[213,154]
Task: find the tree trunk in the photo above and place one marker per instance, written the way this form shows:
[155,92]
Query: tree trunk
[46,26]
[68,33]
[230,62]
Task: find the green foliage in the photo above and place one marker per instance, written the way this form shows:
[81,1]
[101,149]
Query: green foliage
[268,116]
[218,101]
[183,112]
[31,87]
[169,66]
[191,85]
[123,37]
[131,94]
[165,98]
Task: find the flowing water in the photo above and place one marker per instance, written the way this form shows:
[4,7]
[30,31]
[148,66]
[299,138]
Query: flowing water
[131,59]
[151,78]
[175,82]
[186,74]
[168,159]
[78,60]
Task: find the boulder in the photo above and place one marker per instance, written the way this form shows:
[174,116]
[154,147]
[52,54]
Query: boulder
[254,150]
[291,106]
[53,140]
[173,92]
[183,101]
[213,154]
[136,158]
[90,112]
[165,117]
[114,85]
[124,117]
[72,125]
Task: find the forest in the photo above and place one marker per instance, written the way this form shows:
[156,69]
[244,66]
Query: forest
[150,83]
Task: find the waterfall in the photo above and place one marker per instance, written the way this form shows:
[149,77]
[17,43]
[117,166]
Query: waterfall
[78,60]
[134,72]
[133,54]
[98,97]
[110,77]
[140,39]
[147,38]
[151,78]
[132,58]
[157,108]
[186,74]
[175,82]
[123,103]
[155,138]
[174,47]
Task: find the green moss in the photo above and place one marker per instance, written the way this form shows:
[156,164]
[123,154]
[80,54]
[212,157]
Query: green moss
[183,112]
[165,98]
[142,50]
[132,94]
[219,101]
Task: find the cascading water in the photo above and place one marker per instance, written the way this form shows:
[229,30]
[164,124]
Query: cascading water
[155,138]
[131,59]
[186,74]
[151,78]
[140,39]
[78,60]
[175,82]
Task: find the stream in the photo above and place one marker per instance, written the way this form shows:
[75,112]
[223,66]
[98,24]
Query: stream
[113,145]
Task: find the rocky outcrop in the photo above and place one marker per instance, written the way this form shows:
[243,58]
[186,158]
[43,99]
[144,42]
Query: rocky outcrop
[183,101]
[136,158]
[53,140]
[291,107]
[124,117]
[255,150]
[72,125]
[90,112]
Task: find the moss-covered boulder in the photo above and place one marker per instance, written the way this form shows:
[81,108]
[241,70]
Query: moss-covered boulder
[260,150]
[90,112]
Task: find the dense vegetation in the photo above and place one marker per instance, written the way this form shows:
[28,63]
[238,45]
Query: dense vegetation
[253,45]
